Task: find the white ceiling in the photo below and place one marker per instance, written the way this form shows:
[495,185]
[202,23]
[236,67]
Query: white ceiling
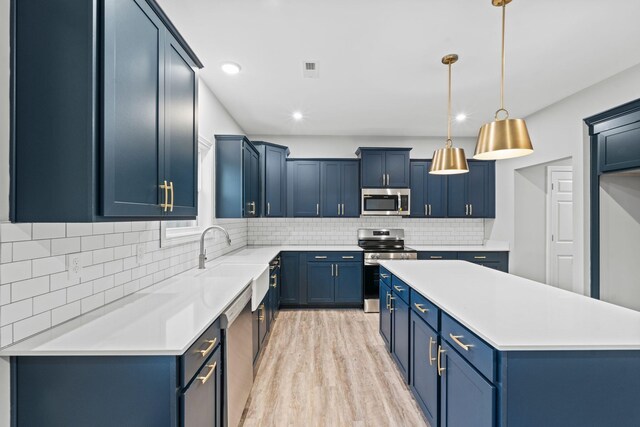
[380,69]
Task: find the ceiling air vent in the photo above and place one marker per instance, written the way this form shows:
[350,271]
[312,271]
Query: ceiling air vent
[310,69]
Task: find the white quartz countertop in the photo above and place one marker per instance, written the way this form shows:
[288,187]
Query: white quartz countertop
[489,246]
[512,313]
[163,319]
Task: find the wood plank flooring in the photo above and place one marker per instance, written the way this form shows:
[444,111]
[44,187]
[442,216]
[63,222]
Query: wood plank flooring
[329,368]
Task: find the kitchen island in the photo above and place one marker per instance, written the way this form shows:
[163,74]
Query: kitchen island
[479,347]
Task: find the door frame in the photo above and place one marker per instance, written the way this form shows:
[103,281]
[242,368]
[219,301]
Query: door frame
[550,171]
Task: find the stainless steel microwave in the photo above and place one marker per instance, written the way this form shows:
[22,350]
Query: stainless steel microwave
[385,201]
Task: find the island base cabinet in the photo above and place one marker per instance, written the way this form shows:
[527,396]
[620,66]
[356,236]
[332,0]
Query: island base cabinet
[400,326]
[201,401]
[424,380]
[467,399]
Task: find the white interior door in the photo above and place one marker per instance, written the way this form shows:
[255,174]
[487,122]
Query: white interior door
[560,226]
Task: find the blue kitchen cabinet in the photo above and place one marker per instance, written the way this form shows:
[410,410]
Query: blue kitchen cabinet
[303,188]
[428,192]
[104,135]
[385,314]
[348,282]
[340,188]
[472,195]
[496,260]
[255,339]
[320,282]
[290,278]
[424,379]
[437,255]
[273,178]
[384,167]
[467,399]
[619,148]
[237,177]
[400,333]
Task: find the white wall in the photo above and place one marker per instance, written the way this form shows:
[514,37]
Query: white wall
[213,117]
[346,146]
[558,132]
[620,240]
[528,257]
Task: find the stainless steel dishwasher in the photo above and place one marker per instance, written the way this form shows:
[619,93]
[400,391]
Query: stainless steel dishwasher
[238,328]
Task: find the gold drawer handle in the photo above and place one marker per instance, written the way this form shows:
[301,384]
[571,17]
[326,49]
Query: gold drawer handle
[165,205]
[384,276]
[172,194]
[431,358]
[456,339]
[398,288]
[479,257]
[261,317]
[420,308]
[274,276]
[212,343]
[347,257]
[440,368]
[320,257]
[212,369]
[435,257]
[274,284]
[391,298]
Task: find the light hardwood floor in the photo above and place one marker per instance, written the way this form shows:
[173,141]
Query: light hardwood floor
[329,368]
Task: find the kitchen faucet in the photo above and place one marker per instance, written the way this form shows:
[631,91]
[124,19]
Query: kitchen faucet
[203,253]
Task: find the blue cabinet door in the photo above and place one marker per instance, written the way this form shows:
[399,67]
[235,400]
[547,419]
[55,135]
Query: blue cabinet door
[304,188]
[481,189]
[397,169]
[255,317]
[348,282]
[373,168]
[385,314]
[400,334]
[180,142]
[132,156]
[467,399]
[350,189]
[247,209]
[436,194]
[331,178]
[457,196]
[320,286]
[275,181]
[424,372]
[289,278]
[251,181]
[419,208]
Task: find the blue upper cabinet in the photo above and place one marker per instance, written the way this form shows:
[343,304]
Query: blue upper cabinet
[102,136]
[428,192]
[340,187]
[273,182]
[473,195]
[619,148]
[385,167]
[237,177]
[303,188]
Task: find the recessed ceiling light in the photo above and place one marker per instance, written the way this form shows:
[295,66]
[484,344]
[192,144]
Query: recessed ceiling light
[231,68]
[461,117]
[297,115]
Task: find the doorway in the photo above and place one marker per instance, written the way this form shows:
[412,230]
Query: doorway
[560,227]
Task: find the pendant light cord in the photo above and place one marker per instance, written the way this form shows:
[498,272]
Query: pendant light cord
[504,13]
[449,112]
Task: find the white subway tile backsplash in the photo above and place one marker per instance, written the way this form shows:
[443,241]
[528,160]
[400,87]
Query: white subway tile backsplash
[113,294]
[13,312]
[31,249]
[80,291]
[49,301]
[103,227]
[61,280]
[92,273]
[65,312]
[15,232]
[113,267]
[5,294]
[111,240]
[79,229]
[48,266]
[15,271]
[103,255]
[90,243]
[6,335]
[103,284]
[6,252]
[31,325]
[29,288]
[92,302]
[49,230]
[65,246]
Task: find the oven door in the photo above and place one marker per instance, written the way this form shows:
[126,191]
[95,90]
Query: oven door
[385,202]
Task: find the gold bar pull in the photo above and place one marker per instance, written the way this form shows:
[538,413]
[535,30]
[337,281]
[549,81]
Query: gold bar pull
[384,276]
[456,339]
[420,308]
[212,343]
[431,358]
[391,298]
[479,257]
[440,368]
[435,257]
[388,301]
[398,288]
[212,369]
[347,257]
[261,317]
[165,187]
[172,193]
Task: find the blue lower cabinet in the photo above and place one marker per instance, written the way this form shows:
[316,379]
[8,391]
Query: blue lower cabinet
[262,321]
[320,282]
[424,380]
[255,315]
[385,314]
[400,333]
[467,399]
[496,260]
[201,402]
[348,282]
[290,278]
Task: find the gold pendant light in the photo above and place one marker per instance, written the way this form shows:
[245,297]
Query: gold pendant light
[449,160]
[504,138]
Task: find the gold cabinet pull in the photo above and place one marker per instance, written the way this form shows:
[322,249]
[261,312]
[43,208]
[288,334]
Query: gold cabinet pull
[212,369]
[391,298]
[431,358]
[165,204]
[435,257]
[347,257]
[384,276]
[320,257]
[420,308]
[261,317]
[479,257]
[388,301]
[456,339]
[440,368]
[212,343]
[172,194]
[471,210]
[398,288]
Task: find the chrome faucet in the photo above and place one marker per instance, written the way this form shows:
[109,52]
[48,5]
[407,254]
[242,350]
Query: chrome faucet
[203,253]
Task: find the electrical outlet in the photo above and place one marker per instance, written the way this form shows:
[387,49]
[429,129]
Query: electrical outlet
[74,266]
[141,252]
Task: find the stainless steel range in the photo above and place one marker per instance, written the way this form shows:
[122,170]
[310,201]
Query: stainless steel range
[380,244]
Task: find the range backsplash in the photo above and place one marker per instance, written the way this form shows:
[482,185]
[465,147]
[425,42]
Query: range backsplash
[343,231]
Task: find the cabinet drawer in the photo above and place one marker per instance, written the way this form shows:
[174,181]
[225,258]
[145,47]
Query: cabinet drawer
[482,256]
[335,256]
[192,360]
[425,309]
[481,355]
[438,255]
[400,288]
[385,276]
